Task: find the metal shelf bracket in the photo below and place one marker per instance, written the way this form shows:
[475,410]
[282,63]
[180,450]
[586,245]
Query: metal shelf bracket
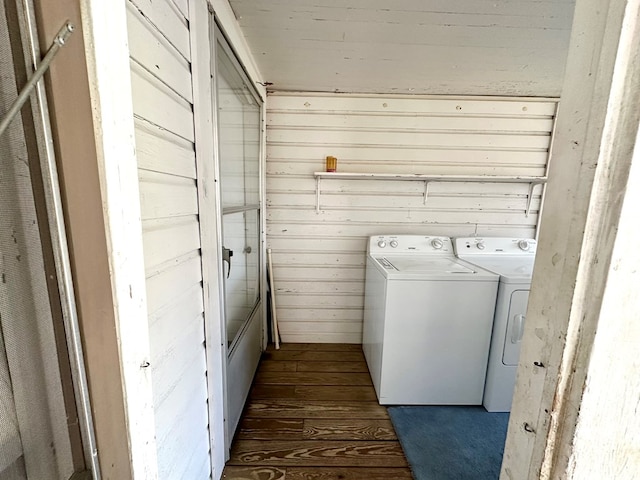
[427,179]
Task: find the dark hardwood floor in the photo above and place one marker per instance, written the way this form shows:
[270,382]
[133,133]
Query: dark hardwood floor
[312,414]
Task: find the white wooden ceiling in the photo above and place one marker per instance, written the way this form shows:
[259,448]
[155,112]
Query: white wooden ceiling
[470,47]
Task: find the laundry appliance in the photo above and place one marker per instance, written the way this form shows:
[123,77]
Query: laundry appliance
[512,259]
[427,321]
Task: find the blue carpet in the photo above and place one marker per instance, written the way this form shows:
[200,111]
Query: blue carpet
[451,442]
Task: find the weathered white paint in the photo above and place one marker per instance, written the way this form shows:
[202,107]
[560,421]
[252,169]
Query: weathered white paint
[241,368]
[609,403]
[171,195]
[472,47]
[169,18]
[227,21]
[202,69]
[566,305]
[319,256]
[607,367]
[107,53]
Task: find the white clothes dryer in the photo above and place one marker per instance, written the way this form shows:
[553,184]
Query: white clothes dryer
[512,259]
[427,322]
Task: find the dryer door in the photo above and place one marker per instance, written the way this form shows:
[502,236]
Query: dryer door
[515,327]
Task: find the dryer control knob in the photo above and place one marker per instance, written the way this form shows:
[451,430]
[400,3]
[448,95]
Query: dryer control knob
[437,243]
[393,243]
[382,244]
[524,245]
[480,246]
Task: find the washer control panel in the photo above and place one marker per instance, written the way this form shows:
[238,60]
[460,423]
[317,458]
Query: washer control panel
[396,244]
[495,246]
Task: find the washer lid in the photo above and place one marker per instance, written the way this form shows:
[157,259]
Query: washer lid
[430,267]
[512,269]
[427,265]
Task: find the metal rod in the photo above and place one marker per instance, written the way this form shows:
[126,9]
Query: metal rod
[42,67]
[53,198]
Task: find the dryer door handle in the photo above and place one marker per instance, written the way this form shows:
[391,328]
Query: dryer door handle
[518,328]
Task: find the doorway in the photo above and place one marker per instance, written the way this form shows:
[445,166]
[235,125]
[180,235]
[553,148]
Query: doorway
[238,112]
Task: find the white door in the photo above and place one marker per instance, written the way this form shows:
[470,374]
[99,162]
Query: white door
[239,116]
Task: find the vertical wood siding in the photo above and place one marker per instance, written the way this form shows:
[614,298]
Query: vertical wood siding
[319,257]
[162,101]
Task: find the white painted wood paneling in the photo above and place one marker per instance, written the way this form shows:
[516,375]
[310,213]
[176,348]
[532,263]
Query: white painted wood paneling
[160,48]
[157,103]
[170,19]
[467,47]
[578,364]
[107,50]
[319,257]
[156,54]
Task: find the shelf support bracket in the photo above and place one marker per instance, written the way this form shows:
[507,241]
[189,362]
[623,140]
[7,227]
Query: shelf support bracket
[426,191]
[529,199]
[317,195]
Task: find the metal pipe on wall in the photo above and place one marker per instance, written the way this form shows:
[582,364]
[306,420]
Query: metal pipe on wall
[55,215]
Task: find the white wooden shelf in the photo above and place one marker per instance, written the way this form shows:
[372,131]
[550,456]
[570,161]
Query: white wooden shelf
[427,179]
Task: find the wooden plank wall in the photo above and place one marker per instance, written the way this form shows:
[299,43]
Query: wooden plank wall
[162,101]
[319,258]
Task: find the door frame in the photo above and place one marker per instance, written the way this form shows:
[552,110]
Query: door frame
[208,202]
[203,38]
[238,350]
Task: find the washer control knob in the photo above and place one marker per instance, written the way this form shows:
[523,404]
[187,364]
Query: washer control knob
[480,245]
[382,244]
[524,245]
[437,243]
[393,243]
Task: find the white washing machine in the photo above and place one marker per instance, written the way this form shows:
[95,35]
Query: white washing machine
[512,259]
[427,322]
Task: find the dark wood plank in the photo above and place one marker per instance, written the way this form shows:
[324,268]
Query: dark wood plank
[254,473]
[344,367]
[318,452]
[313,356]
[348,429]
[270,429]
[323,347]
[314,409]
[363,393]
[330,473]
[261,391]
[313,415]
[285,366]
[312,378]
[314,392]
